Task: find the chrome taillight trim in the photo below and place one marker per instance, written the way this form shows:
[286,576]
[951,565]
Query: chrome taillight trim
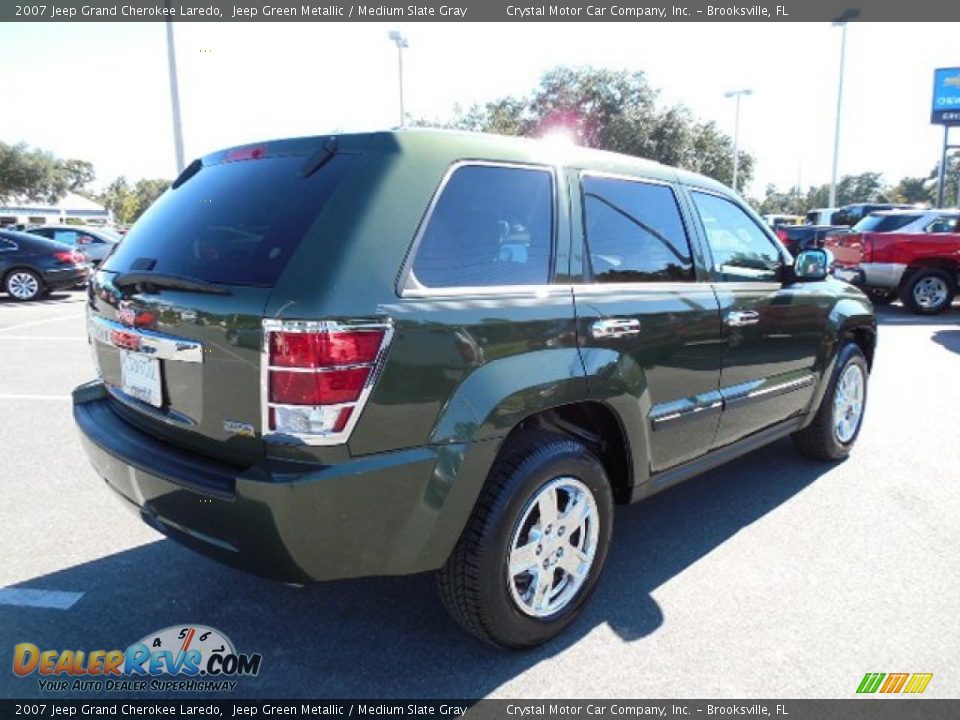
[317,326]
[149,342]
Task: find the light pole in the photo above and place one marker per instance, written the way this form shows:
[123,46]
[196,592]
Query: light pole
[840,22]
[736,130]
[401,43]
[174,95]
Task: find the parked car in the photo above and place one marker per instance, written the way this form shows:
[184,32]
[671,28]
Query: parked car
[916,220]
[96,243]
[850,215]
[804,237]
[31,266]
[775,220]
[921,268]
[401,395]
[821,216]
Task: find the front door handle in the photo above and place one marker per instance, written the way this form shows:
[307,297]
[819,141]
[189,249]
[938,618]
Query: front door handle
[615,328]
[742,318]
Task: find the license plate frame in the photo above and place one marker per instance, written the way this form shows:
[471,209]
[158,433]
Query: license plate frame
[140,378]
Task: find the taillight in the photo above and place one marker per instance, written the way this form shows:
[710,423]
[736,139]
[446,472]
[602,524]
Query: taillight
[317,376]
[866,248]
[782,234]
[252,152]
[70,257]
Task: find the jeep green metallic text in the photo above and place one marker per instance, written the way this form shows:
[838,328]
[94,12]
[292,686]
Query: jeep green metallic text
[387,353]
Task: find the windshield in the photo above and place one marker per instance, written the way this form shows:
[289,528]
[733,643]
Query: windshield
[884,223]
[234,223]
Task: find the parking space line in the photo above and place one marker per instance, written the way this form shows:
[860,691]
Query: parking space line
[11,396]
[72,316]
[49,599]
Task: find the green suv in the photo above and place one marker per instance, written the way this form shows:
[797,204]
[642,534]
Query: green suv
[388,353]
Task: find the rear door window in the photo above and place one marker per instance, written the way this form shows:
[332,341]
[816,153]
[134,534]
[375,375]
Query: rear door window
[634,232]
[233,223]
[491,226]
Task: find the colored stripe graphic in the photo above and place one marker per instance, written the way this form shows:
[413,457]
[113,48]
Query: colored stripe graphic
[870,682]
[894,683]
[918,683]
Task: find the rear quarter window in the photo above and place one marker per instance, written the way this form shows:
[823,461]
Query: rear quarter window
[233,223]
[491,226]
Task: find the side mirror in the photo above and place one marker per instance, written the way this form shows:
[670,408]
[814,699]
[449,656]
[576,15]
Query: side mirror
[812,265]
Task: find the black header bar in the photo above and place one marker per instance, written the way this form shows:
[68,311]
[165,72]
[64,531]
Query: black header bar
[626,11]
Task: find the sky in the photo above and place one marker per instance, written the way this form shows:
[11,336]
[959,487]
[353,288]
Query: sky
[100,92]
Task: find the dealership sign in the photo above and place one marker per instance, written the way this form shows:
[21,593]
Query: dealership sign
[946,97]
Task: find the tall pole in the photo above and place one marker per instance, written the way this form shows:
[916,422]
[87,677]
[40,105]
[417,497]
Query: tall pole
[403,115]
[942,175]
[836,130]
[174,96]
[402,43]
[736,131]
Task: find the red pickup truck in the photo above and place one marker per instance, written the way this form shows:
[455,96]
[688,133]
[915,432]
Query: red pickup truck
[922,268]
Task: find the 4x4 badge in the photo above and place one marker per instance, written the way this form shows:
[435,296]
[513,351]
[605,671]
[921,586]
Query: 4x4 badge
[234,427]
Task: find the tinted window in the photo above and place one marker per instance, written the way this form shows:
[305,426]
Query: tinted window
[884,223]
[490,226]
[634,232]
[943,225]
[234,223]
[741,250]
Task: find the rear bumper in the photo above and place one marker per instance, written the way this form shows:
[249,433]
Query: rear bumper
[389,514]
[65,277]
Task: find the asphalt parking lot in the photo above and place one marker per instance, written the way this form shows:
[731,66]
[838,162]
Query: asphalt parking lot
[771,577]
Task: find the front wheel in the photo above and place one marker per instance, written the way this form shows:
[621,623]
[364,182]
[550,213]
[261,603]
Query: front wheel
[535,545]
[837,423]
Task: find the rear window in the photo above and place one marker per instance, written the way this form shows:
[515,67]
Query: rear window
[235,223]
[492,225]
[884,223]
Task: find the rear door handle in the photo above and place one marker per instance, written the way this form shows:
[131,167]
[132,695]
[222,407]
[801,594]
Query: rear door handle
[615,328]
[742,318]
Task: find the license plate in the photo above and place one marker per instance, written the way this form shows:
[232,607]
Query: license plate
[141,378]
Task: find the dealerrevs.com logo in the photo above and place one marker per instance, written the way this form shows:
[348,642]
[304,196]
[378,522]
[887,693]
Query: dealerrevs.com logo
[178,658]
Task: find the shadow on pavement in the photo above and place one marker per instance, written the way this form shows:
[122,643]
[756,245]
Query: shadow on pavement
[950,339]
[390,637]
[899,315]
[57,297]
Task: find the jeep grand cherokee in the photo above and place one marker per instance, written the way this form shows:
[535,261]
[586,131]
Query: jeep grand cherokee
[389,353]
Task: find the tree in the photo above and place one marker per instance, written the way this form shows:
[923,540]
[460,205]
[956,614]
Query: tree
[126,202]
[34,174]
[79,174]
[609,110]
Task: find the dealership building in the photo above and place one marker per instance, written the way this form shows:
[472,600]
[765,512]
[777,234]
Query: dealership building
[71,208]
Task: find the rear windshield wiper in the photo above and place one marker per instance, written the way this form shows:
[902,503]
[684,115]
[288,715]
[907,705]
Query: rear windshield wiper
[150,282]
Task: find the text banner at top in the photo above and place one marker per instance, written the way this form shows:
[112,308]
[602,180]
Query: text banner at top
[476,11]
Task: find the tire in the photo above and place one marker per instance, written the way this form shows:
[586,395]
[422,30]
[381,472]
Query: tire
[475,585]
[928,292]
[826,438]
[23,285]
[879,296]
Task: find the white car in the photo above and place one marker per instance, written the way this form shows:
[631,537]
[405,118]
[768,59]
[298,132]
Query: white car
[917,220]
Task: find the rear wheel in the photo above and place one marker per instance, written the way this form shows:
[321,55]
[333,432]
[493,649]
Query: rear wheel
[23,285]
[837,423]
[535,545]
[928,292]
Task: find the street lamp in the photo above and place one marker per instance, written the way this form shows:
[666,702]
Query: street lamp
[736,130]
[401,43]
[174,95]
[840,22]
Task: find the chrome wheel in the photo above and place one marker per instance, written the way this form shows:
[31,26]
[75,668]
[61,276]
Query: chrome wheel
[848,403]
[23,286]
[930,292]
[553,547]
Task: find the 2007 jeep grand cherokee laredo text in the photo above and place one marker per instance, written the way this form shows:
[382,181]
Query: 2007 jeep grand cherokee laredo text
[395,352]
